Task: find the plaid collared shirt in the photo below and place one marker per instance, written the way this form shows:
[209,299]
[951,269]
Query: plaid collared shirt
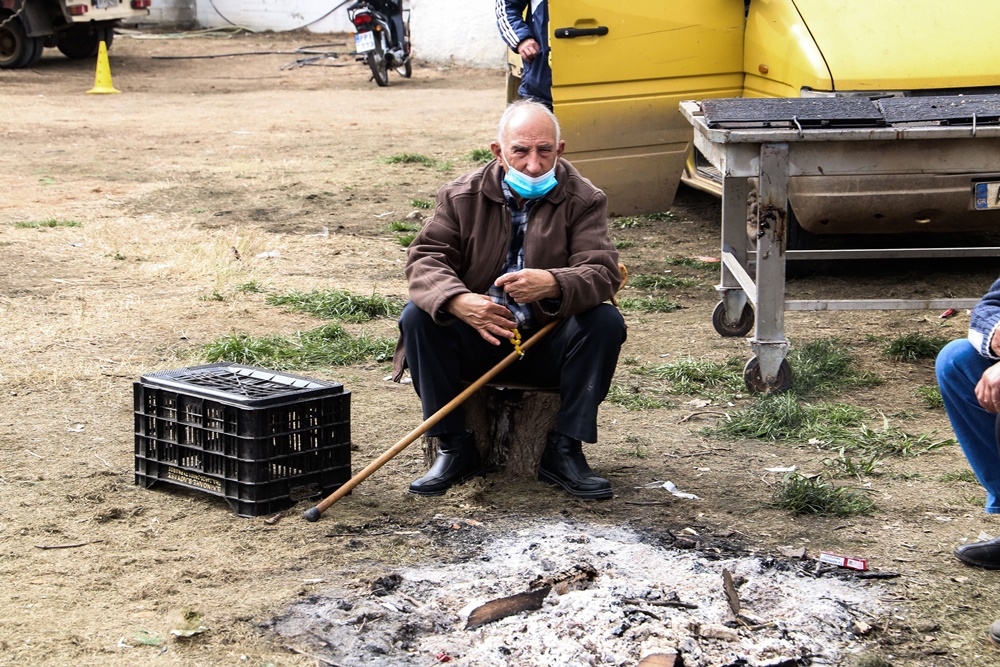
[515,261]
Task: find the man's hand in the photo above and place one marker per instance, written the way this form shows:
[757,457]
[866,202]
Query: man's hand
[479,312]
[529,285]
[988,389]
[528,49]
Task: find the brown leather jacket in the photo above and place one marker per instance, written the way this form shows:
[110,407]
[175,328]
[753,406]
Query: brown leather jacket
[464,245]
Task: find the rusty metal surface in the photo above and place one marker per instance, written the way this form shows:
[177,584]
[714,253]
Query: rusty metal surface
[850,112]
[794,112]
[951,109]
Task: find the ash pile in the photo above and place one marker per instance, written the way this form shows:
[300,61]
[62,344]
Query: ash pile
[585,595]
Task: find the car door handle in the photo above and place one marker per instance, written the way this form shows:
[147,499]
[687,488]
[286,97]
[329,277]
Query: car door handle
[570,33]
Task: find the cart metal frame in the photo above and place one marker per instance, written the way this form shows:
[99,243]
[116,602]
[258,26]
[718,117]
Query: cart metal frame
[772,155]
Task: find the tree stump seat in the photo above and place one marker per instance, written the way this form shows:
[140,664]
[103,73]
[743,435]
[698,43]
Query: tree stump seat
[510,423]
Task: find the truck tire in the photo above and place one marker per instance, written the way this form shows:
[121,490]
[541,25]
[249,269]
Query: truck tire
[35,55]
[16,48]
[80,42]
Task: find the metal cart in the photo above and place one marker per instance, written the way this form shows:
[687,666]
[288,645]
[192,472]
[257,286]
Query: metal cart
[774,139]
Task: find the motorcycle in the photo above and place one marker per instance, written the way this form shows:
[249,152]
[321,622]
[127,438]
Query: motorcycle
[382,38]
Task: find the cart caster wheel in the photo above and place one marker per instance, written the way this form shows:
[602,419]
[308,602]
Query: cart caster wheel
[755,383]
[740,329]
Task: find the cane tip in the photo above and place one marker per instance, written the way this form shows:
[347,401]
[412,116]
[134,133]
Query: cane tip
[311,514]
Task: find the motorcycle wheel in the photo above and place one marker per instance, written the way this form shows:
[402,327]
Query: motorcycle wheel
[406,69]
[376,61]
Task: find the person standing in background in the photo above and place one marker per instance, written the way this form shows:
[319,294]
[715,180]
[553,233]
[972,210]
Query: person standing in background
[526,33]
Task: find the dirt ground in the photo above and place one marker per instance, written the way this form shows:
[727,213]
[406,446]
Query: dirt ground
[198,157]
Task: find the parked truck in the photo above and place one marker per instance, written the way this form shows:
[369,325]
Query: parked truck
[75,27]
[620,69]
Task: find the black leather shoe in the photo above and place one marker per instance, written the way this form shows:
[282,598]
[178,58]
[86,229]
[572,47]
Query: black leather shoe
[563,464]
[457,460]
[980,554]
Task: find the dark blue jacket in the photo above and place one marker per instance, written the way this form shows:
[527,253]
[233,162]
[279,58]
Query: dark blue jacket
[536,82]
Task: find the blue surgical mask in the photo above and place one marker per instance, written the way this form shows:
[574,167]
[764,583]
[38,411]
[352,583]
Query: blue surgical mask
[530,187]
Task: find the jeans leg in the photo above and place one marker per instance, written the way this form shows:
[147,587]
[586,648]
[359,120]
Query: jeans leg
[959,367]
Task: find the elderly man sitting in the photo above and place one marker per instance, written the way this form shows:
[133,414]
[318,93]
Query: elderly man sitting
[512,246]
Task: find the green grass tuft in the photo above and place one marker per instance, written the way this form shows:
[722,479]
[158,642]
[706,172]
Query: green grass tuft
[893,441]
[631,398]
[661,282]
[693,376]
[649,304]
[829,426]
[405,239]
[636,448]
[410,158]
[691,263]
[960,476]
[930,395]
[421,204]
[50,222]
[660,217]
[338,304]
[621,245]
[825,366]
[329,345]
[631,222]
[915,346]
[480,155]
[811,495]
[771,417]
[215,295]
[785,417]
[402,226]
[846,466]
[252,287]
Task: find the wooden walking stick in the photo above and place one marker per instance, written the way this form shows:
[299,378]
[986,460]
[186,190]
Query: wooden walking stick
[314,513]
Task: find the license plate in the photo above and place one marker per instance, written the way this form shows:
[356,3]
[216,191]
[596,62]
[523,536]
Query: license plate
[364,42]
[987,196]
[106,4]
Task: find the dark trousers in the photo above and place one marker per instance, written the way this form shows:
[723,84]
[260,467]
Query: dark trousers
[579,356]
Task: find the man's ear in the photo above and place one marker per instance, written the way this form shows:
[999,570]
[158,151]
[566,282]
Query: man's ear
[560,148]
[497,153]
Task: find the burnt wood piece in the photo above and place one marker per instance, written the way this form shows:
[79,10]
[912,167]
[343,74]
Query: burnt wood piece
[494,610]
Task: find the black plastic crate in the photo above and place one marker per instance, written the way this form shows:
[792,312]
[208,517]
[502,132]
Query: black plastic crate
[260,439]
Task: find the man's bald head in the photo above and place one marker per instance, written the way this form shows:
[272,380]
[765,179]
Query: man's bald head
[526,111]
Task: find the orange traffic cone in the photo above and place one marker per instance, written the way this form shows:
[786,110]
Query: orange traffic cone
[102,79]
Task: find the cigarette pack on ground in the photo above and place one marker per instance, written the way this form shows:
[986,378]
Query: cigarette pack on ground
[843,561]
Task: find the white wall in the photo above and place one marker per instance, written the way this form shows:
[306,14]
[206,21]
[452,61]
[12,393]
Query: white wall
[453,32]
[277,15]
[459,32]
